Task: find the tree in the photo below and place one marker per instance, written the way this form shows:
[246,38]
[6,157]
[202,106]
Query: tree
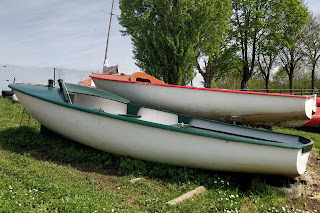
[291,58]
[255,22]
[248,23]
[269,47]
[212,20]
[294,18]
[220,66]
[265,65]
[163,35]
[169,36]
[311,40]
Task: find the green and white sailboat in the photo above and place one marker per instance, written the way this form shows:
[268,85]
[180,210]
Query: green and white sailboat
[112,124]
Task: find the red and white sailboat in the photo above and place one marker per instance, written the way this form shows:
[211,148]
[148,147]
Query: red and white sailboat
[216,104]
[253,108]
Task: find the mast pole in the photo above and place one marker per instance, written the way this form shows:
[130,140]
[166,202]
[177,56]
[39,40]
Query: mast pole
[105,57]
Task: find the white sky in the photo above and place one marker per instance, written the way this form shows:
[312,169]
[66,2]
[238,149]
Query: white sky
[66,34]
[62,33]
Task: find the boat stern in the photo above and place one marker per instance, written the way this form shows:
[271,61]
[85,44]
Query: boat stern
[302,160]
[311,105]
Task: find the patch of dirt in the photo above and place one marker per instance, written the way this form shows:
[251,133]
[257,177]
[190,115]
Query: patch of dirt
[102,177]
[311,181]
[247,206]
[131,201]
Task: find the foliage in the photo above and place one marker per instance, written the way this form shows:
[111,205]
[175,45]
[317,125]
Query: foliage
[224,71]
[311,41]
[280,79]
[294,19]
[279,82]
[269,48]
[228,63]
[221,66]
[249,21]
[163,34]
[170,36]
[212,22]
[212,19]
[230,80]
[263,28]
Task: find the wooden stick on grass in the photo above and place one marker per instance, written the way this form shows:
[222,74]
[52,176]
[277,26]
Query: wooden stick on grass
[187,195]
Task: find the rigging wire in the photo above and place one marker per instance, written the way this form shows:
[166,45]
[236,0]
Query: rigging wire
[94,29]
[110,13]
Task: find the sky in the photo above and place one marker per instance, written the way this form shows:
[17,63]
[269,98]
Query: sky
[67,34]
[62,33]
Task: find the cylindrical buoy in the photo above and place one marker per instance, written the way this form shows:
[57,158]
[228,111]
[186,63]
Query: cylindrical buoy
[14,99]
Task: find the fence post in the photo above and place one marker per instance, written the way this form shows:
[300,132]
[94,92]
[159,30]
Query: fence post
[54,76]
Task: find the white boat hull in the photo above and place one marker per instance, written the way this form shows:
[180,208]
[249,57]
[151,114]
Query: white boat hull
[161,145]
[221,105]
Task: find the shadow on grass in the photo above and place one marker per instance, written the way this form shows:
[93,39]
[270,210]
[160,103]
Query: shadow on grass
[312,129]
[60,150]
[56,149]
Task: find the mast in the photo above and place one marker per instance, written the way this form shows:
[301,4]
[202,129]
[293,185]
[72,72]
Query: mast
[105,57]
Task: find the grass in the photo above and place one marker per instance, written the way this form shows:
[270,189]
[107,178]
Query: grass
[53,174]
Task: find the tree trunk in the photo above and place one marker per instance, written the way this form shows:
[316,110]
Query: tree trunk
[313,78]
[208,74]
[266,80]
[291,81]
[207,77]
[243,84]
[207,81]
[245,77]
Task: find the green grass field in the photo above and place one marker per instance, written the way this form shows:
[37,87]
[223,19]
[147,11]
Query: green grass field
[52,174]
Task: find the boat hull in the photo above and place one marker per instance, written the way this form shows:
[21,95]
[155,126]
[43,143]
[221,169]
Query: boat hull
[161,145]
[222,105]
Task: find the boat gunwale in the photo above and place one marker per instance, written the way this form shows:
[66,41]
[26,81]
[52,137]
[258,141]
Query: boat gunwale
[65,87]
[206,89]
[306,145]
